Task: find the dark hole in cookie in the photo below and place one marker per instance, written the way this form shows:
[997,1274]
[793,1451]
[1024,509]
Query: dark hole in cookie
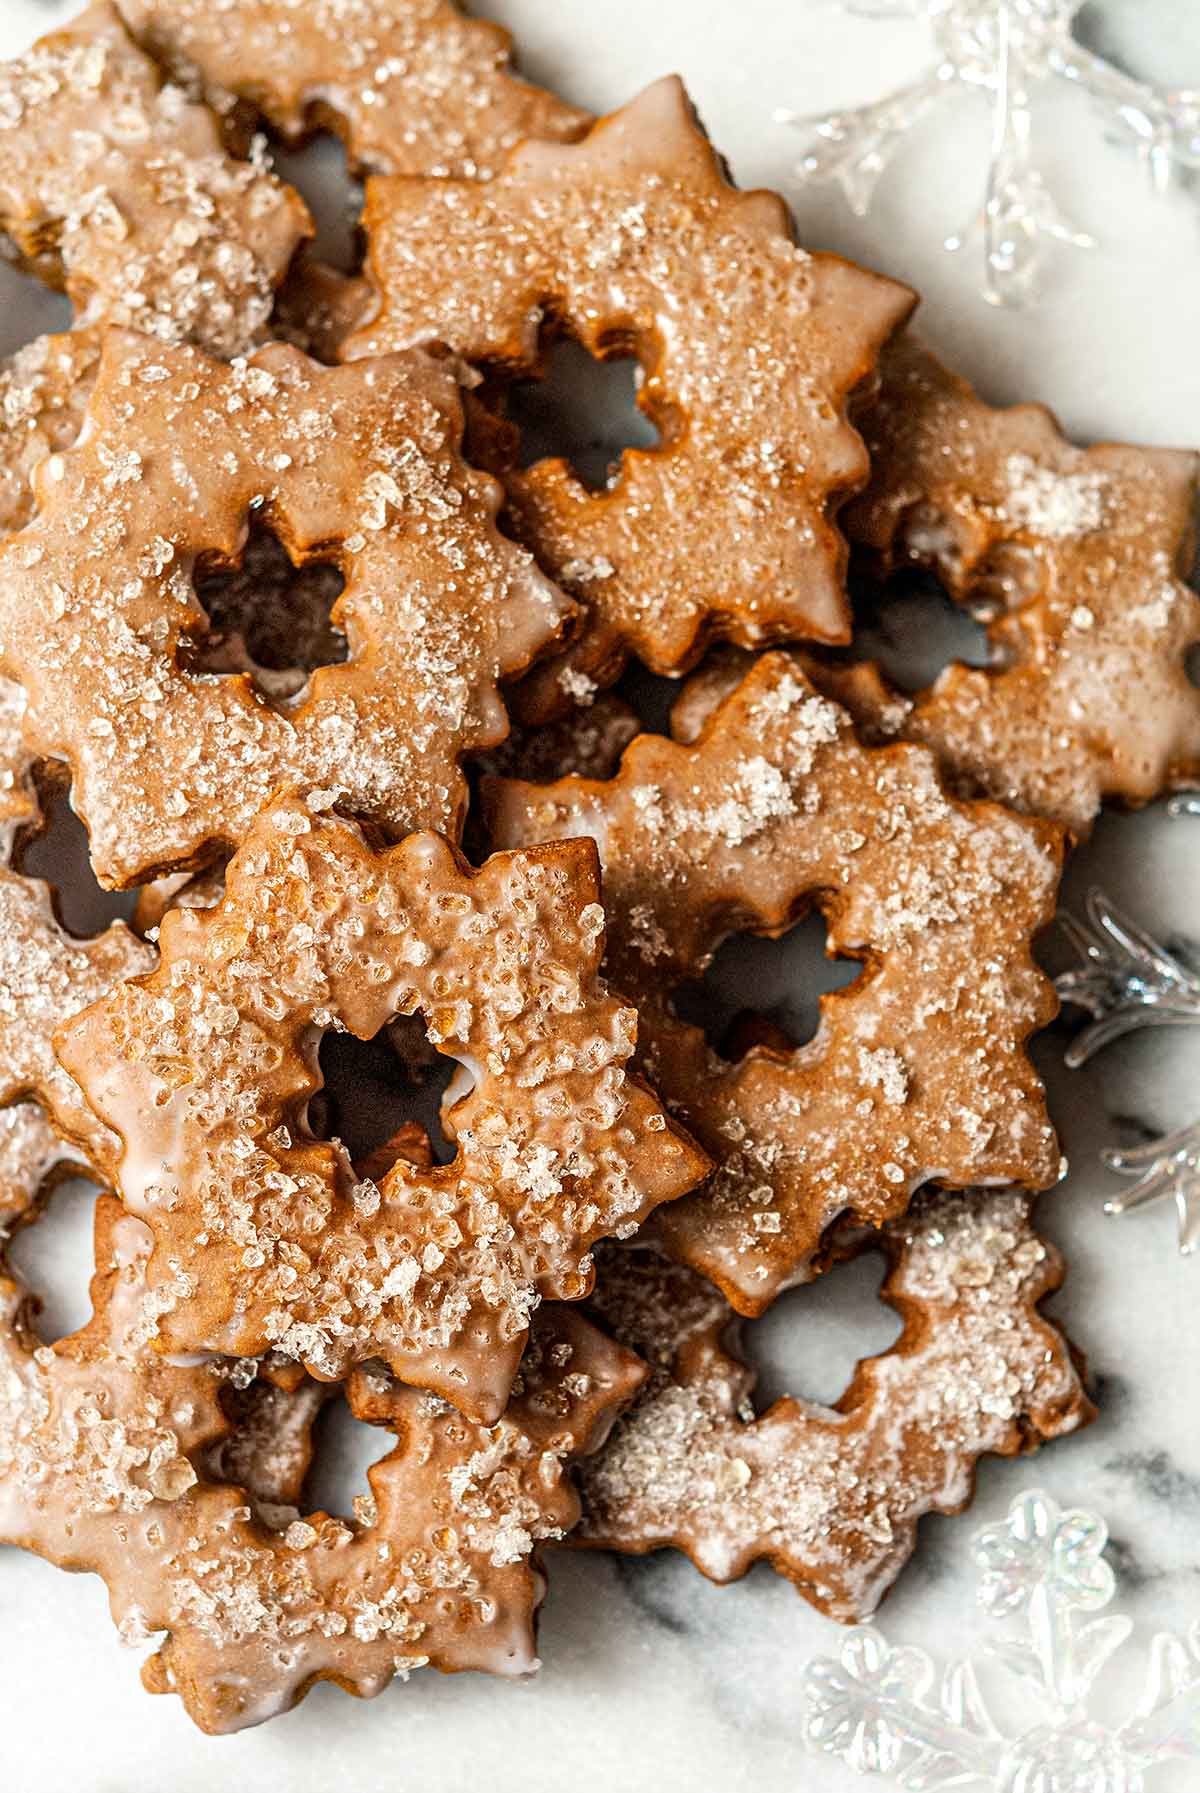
[318,171]
[914,631]
[59,853]
[766,992]
[344,1448]
[373,1088]
[54,1256]
[28,307]
[583,410]
[810,1339]
[1192,663]
[651,695]
[267,617]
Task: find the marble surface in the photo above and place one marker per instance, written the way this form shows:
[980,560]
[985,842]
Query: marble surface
[654,1679]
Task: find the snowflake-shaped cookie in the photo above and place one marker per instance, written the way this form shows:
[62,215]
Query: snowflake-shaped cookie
[918,1069]
[357,466]
[117,1460]
[831,1497]
[117,187]
[264,1234]
[411,86]
[634,241]
[1075,559]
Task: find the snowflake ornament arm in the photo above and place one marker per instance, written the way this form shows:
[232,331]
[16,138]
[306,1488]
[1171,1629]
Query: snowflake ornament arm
[1166,1169]
[1000,48]
[1019,210]
[854,148]
[1164,126]
[890,1712]
[1127,980]
[1166,1725]
[885,1711]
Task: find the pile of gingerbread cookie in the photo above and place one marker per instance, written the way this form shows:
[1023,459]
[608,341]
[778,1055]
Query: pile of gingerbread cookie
[336,682]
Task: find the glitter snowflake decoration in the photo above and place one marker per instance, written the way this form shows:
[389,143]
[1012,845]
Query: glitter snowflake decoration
[1002,49]
[1127,981]
[892,1712]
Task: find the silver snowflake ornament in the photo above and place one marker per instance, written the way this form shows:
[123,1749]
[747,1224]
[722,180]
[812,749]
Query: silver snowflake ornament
[894,1712]
[1127,981]
[1002,49]
[1165,1169]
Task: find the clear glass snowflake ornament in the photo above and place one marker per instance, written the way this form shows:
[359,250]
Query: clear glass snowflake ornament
[1127,981]
[1003,49]
[894,1712]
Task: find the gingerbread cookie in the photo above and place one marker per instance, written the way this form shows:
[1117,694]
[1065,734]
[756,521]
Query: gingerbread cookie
[264,1236]
[43,394]
[107,1452]
[410,86]
[1076,559]
[831,1496]
[919,1068]
[18,794]
[634,242]
[33,1157]
[46,976]
[117,188]
[44,390]
[359,467]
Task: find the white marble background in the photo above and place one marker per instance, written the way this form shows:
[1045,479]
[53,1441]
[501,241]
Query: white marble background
[654,1680]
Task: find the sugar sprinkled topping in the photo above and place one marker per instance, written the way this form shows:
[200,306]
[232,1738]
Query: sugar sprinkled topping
[46,976]
[833,1496]
[1051,504]
[635,229]
[117,1459]
[268,1238]
[97,592]
[1079,555]
[128,184]
[44,389]
[918,1070]
[412,86]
